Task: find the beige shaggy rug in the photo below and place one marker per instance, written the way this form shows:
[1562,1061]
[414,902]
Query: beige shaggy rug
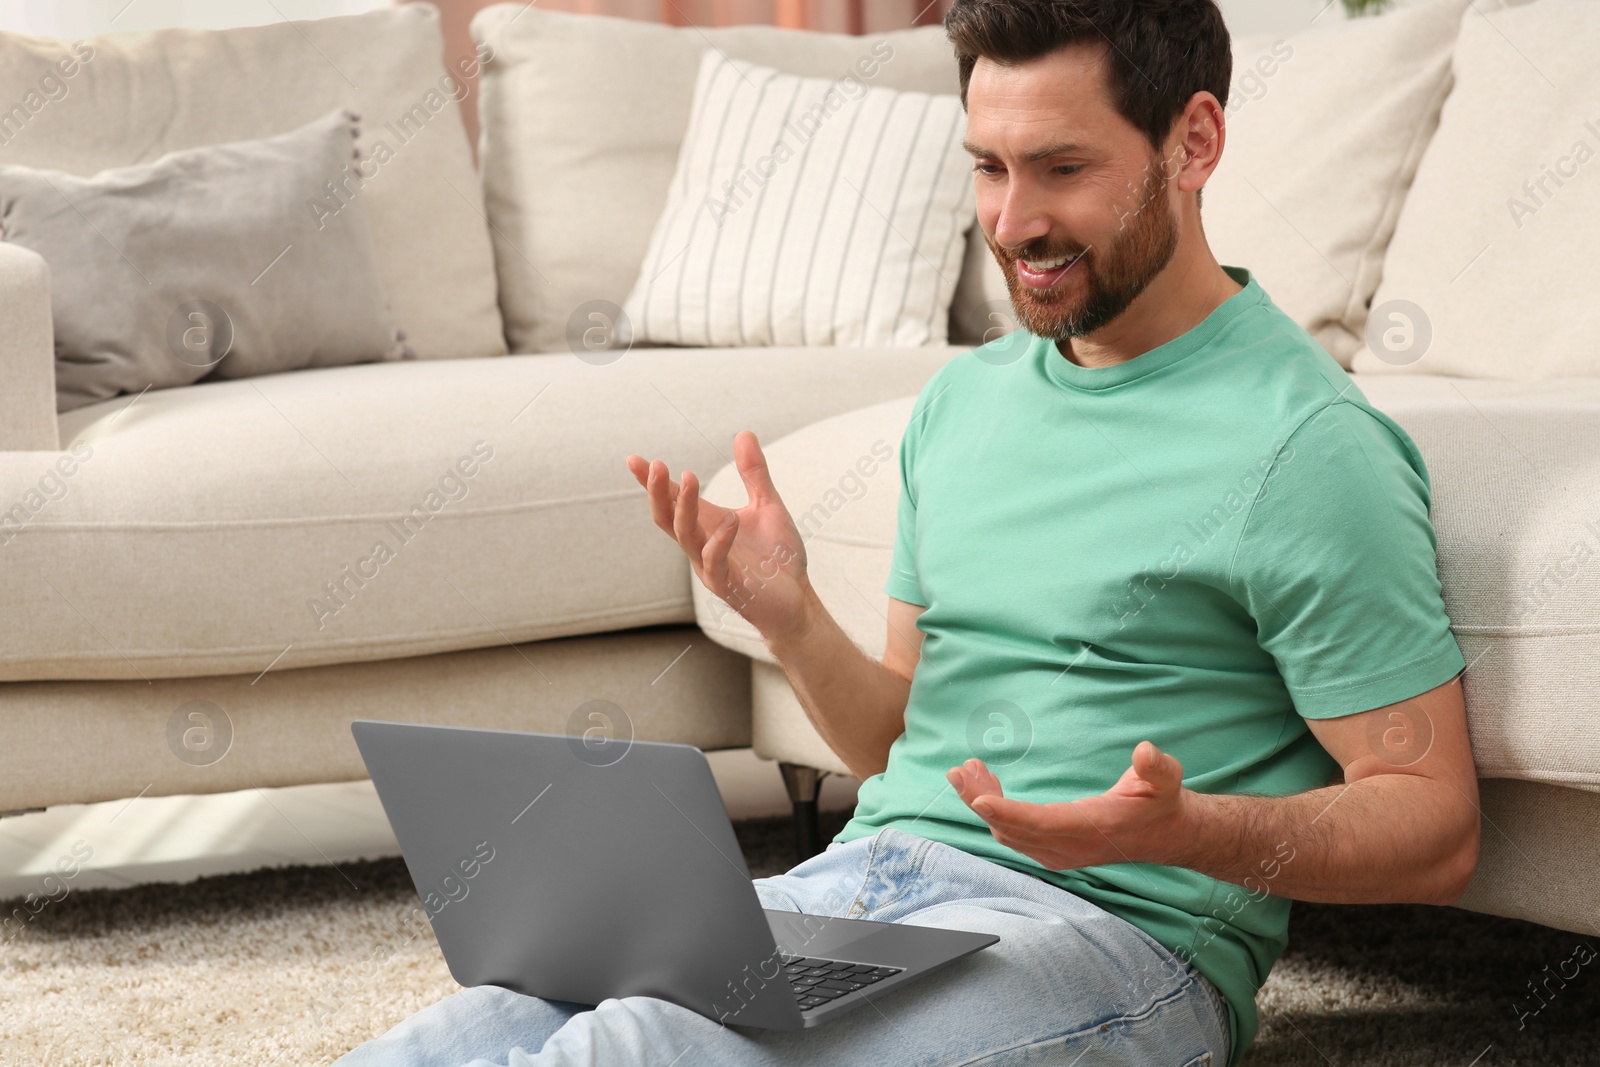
[297,965]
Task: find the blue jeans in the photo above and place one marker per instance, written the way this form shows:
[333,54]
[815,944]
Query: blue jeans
[1068,983]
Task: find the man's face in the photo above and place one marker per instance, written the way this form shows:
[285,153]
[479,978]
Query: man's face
[1072,200]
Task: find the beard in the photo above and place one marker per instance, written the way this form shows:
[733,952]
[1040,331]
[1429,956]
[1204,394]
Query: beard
[1113,275]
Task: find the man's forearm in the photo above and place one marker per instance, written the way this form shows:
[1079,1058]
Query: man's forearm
[856,703]
[1382,838]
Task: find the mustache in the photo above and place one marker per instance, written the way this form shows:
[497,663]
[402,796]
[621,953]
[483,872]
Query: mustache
[1037,252]
[1044,253]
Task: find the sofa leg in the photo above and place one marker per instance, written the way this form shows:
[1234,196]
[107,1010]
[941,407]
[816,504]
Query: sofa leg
[804,784]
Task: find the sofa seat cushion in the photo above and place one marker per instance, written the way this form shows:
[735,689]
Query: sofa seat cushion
[1516,509]
[383,510]
[292,727]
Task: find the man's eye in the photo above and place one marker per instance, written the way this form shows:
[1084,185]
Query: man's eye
[1065,169]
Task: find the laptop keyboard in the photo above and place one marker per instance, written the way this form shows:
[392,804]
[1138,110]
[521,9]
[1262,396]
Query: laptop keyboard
[817,982]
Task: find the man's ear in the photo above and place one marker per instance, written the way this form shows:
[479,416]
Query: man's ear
[1198,151]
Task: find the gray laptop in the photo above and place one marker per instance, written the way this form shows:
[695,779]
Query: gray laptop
[581,869]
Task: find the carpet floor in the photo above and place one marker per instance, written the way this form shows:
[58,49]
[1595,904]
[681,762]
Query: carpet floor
[297,965]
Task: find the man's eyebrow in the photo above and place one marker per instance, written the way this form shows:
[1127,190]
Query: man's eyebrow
[1063,148]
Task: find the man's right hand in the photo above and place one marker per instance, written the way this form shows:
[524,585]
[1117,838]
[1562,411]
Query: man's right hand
[751,557]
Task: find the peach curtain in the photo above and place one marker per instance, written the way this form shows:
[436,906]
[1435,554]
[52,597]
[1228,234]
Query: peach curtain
[835,16]
[832,16]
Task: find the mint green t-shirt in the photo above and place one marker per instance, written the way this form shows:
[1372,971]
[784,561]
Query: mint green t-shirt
[1203,546]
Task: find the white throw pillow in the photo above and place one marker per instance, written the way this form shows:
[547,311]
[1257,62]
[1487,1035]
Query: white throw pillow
[807,211]
[1325,130]
[1492,272]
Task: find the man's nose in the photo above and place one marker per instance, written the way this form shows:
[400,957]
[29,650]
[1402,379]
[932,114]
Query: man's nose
[1021,220]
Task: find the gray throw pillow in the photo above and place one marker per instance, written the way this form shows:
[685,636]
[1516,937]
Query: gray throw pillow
[223,261]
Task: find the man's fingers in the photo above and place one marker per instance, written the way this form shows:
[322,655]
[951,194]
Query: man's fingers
[657,485]
[1006,810]
[1155,766]
[1027,819]
[686,517]
[714,556]
[973,779]
[979,771]
[640,468]
[984,777]
[752,464]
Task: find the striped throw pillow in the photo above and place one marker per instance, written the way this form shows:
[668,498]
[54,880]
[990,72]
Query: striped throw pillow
[807,211]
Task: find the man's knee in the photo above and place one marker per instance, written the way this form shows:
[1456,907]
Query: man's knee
[636,1029]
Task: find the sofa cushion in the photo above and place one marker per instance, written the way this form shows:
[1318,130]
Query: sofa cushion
[1324,131]
[981,309]
[1510,231]
[383,509]
[845,516]
[292,727]
[27,356]
[129,98]
[195,290]
[582,120]
[765,239]
[1516,508]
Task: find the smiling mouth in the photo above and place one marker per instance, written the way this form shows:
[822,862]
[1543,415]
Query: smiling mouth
[1045,273]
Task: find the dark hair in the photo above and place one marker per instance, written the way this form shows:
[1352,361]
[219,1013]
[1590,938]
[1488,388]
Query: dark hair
[1161,52]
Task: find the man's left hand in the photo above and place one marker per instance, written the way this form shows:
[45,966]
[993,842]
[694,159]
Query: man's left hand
[1138,820]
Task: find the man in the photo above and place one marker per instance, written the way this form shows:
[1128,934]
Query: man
[1161,575]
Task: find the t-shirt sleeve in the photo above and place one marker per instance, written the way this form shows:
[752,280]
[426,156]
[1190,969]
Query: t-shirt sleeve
[1337,563]
[902,582]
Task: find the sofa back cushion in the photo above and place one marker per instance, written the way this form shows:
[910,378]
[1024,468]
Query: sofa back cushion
[804,212]
[201,283]
[1324,132]
[122,99]
[583,118]
[1492,272]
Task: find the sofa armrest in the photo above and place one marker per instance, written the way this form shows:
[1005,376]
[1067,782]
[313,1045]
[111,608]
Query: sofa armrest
[27,353]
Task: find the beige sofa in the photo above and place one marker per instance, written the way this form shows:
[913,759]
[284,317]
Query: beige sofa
[207,551]
[176,570]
